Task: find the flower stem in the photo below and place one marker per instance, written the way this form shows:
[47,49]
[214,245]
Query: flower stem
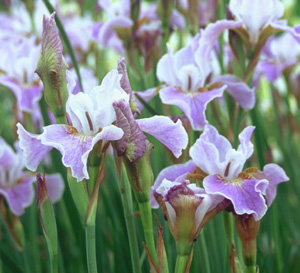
[182,262]
[228,223]
[250,269]
[25,262]
[205,257]
[90,238]
[54,263]
[147,223]
[128,212]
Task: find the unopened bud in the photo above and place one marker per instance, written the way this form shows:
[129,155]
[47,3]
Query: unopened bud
[47,216]
[52,67]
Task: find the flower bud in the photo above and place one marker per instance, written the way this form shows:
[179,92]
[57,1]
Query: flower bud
[51,68]
[47,216]
[185,206]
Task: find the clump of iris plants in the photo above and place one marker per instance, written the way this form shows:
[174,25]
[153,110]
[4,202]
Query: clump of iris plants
[154,136]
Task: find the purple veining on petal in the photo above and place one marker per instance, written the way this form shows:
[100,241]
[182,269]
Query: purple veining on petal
[177,173]
[275,175]
[169,133]
[34,151]
[246,195]
[213,149]
[51,44]
[133,142]
[193,105]
[19,196]
[124,82]
[74,147]
[217,154]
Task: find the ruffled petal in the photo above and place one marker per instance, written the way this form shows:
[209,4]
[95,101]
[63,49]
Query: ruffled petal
[192,104]
[75,147]
[240,91]
[33,149]
[294,31]
[107,29]
[172,135]
[19,196]
[246,146]
[246,195]
[209,36]
[176,173]
[275,175]
[210,150]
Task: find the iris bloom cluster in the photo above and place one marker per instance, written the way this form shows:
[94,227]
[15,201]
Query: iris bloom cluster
[223,62]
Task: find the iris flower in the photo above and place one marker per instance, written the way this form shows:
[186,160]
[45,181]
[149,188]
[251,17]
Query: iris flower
[16,184]
[221,168]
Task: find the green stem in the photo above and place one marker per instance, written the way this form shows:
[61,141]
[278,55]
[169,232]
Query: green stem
[228,223]
[128,213]
[32,23]
[181,263]
[25,262]
[54,263]
[32,235]
[205,257]
[146,215]
[90,238]
[250,269]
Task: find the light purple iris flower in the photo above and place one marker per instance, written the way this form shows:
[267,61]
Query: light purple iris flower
[169,133]
[186,73]
[257,15]
[214,155]
[222,167]
[16,185]
[18,62]
[118,14]
[90,116]
[279,53]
